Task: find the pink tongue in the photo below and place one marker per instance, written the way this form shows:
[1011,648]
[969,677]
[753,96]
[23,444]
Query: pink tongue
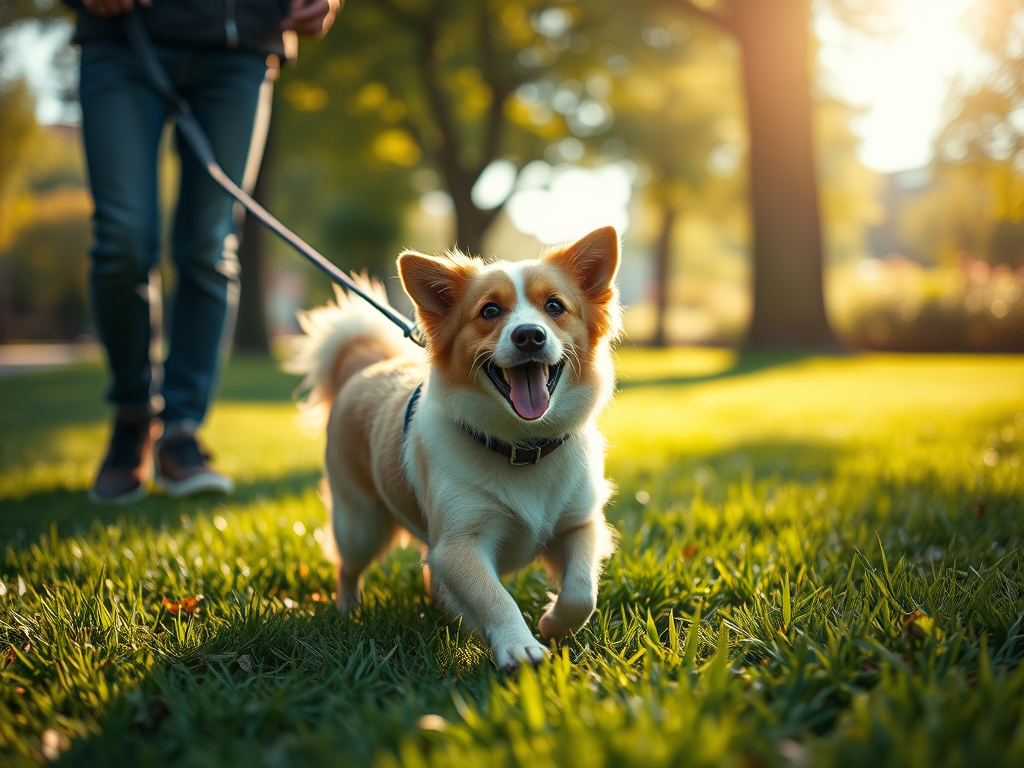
[529,389]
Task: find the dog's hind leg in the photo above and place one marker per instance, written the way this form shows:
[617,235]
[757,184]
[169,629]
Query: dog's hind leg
[426,576]
[363,531]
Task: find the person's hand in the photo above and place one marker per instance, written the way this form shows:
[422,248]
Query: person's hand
[309,18]
[112,7]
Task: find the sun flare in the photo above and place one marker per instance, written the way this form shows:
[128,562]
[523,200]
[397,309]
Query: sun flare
[901,80]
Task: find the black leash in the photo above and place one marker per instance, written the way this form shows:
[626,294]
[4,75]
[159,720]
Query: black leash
[189,127]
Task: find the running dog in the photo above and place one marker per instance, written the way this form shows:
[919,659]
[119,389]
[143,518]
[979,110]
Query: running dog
[484,446]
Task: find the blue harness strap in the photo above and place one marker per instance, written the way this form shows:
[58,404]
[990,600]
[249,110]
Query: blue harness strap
[410,409]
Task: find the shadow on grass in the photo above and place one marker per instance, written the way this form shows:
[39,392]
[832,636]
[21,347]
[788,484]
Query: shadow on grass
[760,487]
[298,689]
[746,363]
[313,686]
[71,512]
[51,400]
[672,479]
[275,684]
[74,396]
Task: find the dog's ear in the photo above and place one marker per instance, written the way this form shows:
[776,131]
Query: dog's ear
[434,284]
[591,261]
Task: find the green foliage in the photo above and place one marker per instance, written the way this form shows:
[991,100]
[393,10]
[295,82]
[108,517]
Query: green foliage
[985,134]
[446,89]
[849,190]
[14,11]
[894,304]
[45,218]
[819,563]
[400,86]
[985,129]
[17,131]
[677,107]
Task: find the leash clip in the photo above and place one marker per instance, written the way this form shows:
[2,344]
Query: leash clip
[416,334]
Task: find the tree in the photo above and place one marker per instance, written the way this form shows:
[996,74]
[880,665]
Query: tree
[985,131]
[676,108]
[849,191]
[14,11]
[775,42]
[455,85]
[17,130]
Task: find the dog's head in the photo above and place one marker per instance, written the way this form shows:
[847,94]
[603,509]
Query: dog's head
[517,344]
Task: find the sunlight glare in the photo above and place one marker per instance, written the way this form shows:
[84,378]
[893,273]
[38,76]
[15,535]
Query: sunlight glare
[901,81]
[494,185]
[30,48]
[573,202]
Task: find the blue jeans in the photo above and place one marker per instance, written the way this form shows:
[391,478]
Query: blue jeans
[122,122]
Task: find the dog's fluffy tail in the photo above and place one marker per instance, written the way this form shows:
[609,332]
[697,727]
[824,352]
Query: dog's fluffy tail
[338,341]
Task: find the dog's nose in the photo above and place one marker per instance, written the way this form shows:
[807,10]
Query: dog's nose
[529,338]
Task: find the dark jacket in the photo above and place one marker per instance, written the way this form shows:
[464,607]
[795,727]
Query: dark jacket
[248,25]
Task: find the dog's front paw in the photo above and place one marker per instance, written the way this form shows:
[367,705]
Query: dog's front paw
[508,656]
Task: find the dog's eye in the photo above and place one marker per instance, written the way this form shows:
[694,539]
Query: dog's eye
[554,307]
[490,311]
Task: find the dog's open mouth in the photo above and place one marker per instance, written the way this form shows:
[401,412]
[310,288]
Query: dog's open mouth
[527,387]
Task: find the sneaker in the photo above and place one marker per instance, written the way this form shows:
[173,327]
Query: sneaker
[124,474]
[181,468]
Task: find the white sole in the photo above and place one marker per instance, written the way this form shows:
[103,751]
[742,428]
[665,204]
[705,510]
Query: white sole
[207,482]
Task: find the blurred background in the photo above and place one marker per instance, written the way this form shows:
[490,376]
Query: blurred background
[783,172]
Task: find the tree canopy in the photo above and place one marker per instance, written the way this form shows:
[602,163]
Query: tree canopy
[987,129]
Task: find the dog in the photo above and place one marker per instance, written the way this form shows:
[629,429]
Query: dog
[485,446]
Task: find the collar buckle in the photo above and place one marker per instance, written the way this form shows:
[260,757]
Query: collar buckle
[514,458]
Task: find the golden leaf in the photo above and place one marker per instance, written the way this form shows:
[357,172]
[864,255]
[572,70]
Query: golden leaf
[185,604]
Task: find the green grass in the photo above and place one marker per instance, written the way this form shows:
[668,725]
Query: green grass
[819,564]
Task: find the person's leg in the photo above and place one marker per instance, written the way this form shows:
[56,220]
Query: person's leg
[122,120]
[223,90]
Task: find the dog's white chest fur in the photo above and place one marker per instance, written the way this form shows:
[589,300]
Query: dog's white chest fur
[513,511]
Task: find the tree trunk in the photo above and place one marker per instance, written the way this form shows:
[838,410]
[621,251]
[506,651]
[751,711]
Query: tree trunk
[471,225]
[251,336]
[789,305]
[6,299]
[662,275]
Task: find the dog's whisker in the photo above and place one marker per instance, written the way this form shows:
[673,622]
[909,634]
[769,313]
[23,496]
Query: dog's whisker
[574,358]
[479,361]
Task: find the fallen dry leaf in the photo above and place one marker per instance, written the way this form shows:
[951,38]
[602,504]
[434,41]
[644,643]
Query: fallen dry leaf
[917,626]
[185,604]
[221,656]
